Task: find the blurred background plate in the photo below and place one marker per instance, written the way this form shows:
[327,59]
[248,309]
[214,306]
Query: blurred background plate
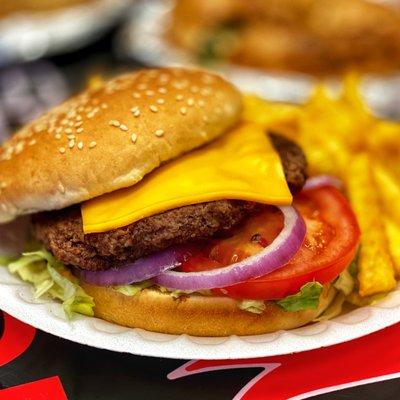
[143,38]
[35,32]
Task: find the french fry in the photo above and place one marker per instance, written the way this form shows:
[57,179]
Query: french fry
[341,137]
[280,116]
[393,235]
[352,98]
[389,190]
[375,269]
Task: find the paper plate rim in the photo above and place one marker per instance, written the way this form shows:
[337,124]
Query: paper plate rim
[17,300]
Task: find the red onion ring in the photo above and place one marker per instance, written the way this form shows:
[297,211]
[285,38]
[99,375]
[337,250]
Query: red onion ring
[323,180]
[140,270]
[274,256]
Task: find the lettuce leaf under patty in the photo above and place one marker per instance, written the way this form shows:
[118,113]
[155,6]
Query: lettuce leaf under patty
[307,298]
[50,277]
[252,306]
[133,289]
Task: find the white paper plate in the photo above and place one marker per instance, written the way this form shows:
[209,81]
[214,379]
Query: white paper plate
[143,38]
[28,36]
[16,299]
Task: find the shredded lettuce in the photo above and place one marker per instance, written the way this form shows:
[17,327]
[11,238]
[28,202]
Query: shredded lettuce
[176,294]
[4,260]
[353,267]
[345,282]
[50,277]
[307,298]
[253,306]
[133,289]
[336,301]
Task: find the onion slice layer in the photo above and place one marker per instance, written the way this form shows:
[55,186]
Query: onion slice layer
[140,270]
[272,257]
[323,180]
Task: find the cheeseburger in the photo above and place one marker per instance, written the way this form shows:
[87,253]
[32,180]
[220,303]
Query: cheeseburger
[154,205]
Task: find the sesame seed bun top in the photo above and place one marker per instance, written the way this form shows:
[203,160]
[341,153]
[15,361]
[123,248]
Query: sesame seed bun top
[109,138]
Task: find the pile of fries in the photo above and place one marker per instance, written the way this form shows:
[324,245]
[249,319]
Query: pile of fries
[341,137]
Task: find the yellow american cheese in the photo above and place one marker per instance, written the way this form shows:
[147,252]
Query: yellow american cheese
[241,165]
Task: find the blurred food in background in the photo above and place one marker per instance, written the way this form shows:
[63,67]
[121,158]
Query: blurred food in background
[8,7]
[33,29]
[278,49]
[312,36]
[341,138]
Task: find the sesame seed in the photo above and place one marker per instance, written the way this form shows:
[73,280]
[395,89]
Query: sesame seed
[149,93]
[71,143]
[61,188]
[136,95]
[205,91]
[19,147]
[142,86]
[179,97]
[104,105]
[164,78]
[78,118]
[135,111]
[153,108]
[201,103]
[160,101]
[133,137]
[59,130]
[205,118]
[61,150]
[162,90]
[32,142]
[68,130]
[194,89]
[183,110]
[123,128]
[57,136]
[64,122]
[159,132]
[92,144]
[79,130]
[80,145]
[79,123]
[190,102]
[114,122]
[71,137]
[3,185]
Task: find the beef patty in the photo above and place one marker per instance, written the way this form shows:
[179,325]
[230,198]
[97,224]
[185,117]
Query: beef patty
[62,232]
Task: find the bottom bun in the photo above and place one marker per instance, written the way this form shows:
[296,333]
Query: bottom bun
[196,315]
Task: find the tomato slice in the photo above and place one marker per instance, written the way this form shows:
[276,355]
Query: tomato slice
[331,242]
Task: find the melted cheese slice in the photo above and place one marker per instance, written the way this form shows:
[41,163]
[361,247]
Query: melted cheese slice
[241,165]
